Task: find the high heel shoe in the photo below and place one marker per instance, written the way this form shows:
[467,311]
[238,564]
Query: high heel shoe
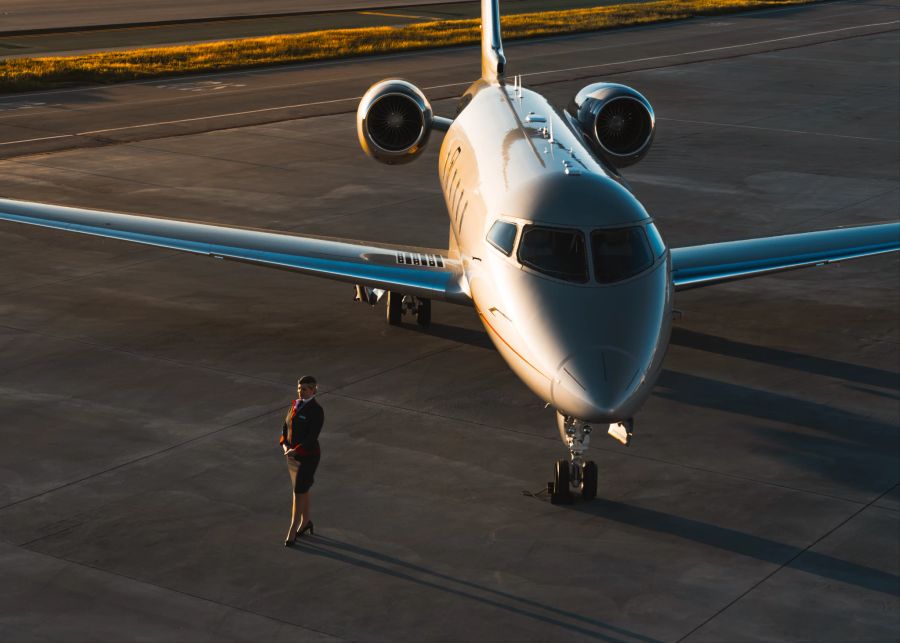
[309,527]
[290,542]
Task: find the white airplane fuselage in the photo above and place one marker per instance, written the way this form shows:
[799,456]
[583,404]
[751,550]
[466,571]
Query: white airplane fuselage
[567,272]
[593,350]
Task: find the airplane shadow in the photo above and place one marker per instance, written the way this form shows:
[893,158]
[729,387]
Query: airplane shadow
[862,389]
[472,337]
[373,561]
[866,447]
[757,547]
[696,390]
[786,359]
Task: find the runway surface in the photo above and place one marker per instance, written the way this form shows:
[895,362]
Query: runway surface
[142,491]
[56,14]
[60,33]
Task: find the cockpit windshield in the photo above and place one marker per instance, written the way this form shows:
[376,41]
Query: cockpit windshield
[557,252]
[620,253]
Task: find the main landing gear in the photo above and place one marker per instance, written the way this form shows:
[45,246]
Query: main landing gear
[398,305]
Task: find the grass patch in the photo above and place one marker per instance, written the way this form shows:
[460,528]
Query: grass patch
[19,74]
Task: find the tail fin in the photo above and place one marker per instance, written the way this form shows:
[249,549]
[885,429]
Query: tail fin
[493,62]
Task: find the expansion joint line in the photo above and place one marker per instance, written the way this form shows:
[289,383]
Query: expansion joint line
[198,597]
[788,562]
[141,458]
[213,432]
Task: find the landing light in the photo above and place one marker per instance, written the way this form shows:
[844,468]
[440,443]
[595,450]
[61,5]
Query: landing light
[622,431]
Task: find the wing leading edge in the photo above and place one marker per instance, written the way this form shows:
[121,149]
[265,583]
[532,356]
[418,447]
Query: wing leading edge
[423,272]
[698,266]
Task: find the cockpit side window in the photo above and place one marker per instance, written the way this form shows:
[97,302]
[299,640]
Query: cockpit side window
[557,252]
[620,253]
[502,236]
[656,241]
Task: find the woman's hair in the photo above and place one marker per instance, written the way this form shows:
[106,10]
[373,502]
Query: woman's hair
[307,379]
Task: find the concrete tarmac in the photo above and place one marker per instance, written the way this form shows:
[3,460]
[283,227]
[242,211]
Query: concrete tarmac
[142,491]
[137,28]
[26,15]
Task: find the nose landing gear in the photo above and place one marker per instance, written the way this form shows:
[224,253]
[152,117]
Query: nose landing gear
[575,475]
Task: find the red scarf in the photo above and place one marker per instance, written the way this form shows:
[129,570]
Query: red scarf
[295,407]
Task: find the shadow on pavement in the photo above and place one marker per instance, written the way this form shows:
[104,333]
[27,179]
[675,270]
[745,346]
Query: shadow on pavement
[696,390]
[763,549]
[786,359]
[468,336]
[397,568]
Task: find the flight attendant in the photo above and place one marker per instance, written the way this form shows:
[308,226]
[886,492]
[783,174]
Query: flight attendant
[300,442]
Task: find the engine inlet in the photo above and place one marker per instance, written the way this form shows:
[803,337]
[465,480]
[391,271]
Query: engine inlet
[623,126]
[395,122]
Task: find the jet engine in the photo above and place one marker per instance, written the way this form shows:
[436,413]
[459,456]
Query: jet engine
[617,120]
[394,121]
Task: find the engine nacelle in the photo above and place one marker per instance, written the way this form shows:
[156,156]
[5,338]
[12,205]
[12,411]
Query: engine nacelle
[617,120]
[394,121]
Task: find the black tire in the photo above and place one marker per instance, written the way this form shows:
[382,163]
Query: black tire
[423,313]
[589,480]
[394,308]
[561,495]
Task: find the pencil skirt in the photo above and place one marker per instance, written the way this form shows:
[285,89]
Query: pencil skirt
[302,470]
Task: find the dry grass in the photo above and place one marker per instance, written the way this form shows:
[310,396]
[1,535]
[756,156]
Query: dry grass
[109,67]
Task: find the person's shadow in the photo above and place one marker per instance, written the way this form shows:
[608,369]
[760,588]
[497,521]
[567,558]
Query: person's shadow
[391,566]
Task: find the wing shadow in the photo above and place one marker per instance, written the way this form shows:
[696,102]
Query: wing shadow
[786,359]
[764,549]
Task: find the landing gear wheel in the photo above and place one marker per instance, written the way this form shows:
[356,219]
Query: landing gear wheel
[394,308]
[423,313]
[561,494]
[589,480]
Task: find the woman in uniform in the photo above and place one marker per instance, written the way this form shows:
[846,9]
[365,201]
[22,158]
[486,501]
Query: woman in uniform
[300,442]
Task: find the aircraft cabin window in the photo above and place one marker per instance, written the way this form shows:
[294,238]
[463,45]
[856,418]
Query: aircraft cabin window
[620,253]
[452,160]
[556,252]
[502,236]
[462,194]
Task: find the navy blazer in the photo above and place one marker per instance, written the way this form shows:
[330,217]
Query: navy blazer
[305,425]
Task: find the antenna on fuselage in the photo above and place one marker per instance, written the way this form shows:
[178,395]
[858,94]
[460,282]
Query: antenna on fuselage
[493,62]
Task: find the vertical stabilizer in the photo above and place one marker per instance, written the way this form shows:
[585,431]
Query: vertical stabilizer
[493,62]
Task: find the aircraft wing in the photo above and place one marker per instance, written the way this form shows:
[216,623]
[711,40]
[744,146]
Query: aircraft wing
[424,272]
[714,263]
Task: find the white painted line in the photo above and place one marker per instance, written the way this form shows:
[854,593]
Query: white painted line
[537,73]
[182,120]
[42,138]
[783,131]
[706,51]
[203,118]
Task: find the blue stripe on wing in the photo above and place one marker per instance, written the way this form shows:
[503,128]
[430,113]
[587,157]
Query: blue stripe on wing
[697,266]
[348,261]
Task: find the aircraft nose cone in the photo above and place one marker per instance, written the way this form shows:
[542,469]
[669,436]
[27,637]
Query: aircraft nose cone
[596,385]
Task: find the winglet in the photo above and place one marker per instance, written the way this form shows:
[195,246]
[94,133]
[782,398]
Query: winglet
[493,62]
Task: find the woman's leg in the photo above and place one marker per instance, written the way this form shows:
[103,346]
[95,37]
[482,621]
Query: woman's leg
[303,501]
[296,515]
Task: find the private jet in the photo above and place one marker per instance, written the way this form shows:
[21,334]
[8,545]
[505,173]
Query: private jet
[565,268]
